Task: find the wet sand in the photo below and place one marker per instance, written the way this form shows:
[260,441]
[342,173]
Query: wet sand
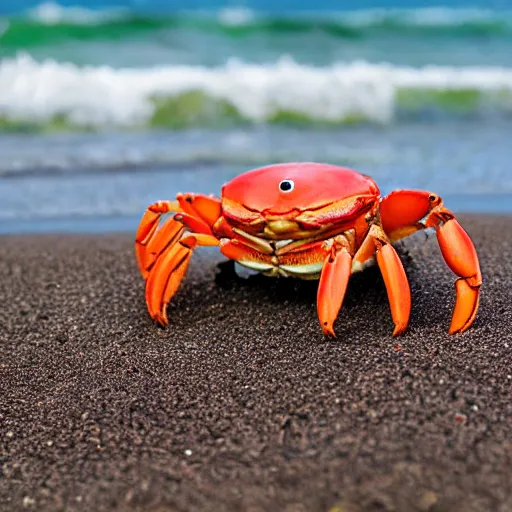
[242,404]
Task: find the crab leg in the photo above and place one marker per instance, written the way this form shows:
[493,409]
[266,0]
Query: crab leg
[168,272]
[397,286]
[195,211]
[338,267]
[333,284]
[402,213]
[204,208]
[247,253]
[163,252]
[167,235]
[148,241]
[395,279]
[460,255]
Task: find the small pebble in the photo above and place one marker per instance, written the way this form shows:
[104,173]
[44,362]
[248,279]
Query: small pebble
[28,501]
[460,418]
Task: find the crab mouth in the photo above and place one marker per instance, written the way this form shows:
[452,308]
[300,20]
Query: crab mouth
[281,227]
[279,230]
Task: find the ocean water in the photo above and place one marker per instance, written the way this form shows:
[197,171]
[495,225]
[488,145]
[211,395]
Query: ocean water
[107,106]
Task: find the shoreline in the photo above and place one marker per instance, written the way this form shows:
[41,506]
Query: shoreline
[241,403]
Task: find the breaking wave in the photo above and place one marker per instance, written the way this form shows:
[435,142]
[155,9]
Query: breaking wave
[50,95]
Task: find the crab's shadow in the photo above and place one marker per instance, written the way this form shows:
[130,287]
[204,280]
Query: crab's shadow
[366,300]
[365,287]
[366,295]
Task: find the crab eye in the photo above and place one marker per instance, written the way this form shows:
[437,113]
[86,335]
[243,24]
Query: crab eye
[286,186]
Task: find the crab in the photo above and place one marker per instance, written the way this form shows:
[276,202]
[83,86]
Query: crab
[311,221]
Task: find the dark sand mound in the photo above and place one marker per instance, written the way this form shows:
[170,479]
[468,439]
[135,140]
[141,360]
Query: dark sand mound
[242,404]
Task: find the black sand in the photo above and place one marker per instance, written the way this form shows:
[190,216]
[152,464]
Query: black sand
[242,404]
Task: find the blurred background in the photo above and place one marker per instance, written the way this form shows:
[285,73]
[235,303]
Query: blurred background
[109,105]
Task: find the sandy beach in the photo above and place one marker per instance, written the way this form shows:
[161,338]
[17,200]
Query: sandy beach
[241,404]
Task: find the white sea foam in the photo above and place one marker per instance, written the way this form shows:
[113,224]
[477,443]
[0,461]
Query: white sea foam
[426,16]
[236,16]
[102,96]
[52,13]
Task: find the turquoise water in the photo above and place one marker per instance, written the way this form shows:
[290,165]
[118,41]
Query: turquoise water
[106,109]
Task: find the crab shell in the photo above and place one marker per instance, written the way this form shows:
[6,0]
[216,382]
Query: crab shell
[306,220]
[281,205]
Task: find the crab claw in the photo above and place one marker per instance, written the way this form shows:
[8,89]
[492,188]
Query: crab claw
[425,209]
[460,255]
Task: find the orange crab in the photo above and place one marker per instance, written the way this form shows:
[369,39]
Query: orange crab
[306,220]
